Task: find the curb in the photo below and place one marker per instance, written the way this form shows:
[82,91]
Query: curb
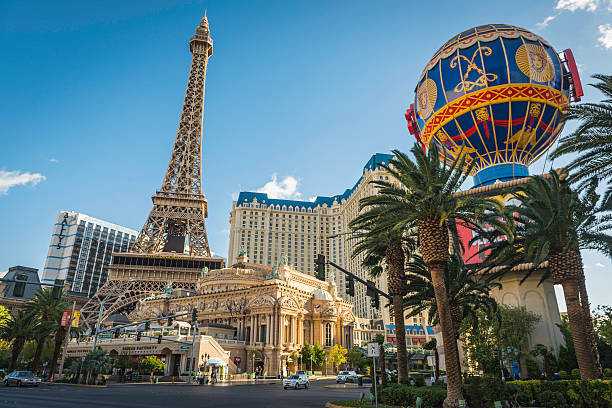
[330,405]
[79,385]
[342,387]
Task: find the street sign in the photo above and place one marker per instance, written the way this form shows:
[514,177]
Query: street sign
[65,318]
[185,347]
[105,336]
[75,319]
[373,350]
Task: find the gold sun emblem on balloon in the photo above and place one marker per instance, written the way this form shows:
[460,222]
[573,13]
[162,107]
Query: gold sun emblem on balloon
[534,61]
[427,93]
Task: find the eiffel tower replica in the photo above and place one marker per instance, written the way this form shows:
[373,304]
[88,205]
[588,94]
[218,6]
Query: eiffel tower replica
[172,248]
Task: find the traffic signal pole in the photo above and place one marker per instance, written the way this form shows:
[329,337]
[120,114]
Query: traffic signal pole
[358,279]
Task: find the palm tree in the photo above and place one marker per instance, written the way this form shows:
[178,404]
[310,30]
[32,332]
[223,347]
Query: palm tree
[17,330]
[592,140]
[47,310]
[381,243]
[467,291]
[422,196]
[553,222]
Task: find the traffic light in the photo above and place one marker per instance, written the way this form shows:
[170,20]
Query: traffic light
[159,338]
[147,326]
[375,301]
[194,315]
[373,294]
[116,333]
[93,331]
[138,335]
[170,321]
[320,267]
[350,286]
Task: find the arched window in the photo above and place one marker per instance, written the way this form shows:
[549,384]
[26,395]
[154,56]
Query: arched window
[328,334]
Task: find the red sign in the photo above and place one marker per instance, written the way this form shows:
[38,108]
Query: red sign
[237,360]
[65,318]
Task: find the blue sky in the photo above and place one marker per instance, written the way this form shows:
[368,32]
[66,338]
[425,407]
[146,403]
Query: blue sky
[298,96]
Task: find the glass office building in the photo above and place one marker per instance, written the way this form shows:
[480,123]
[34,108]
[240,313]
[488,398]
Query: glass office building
[81,250]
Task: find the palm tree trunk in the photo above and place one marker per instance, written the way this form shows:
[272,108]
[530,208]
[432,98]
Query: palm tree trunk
[17,347]
[40,343]
[451,356]
[59,337]
[383,367]
[400,336]
[588,321]
[396,260]
[576,319]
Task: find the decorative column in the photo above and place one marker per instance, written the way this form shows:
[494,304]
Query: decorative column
[281,329]
[252,339]
[268,321]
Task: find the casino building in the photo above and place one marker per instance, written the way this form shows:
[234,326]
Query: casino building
[266,228]
[250,316]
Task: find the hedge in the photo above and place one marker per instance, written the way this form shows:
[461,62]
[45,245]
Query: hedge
[402,395]
[576,393]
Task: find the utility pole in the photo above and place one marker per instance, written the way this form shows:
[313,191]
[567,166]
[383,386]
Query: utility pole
[67,339]
[98,325]
[194,329]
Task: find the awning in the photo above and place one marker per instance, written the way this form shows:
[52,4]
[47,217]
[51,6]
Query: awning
[216,362]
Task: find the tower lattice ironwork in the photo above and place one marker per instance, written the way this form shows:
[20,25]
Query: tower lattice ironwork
[179,208]
[172,246]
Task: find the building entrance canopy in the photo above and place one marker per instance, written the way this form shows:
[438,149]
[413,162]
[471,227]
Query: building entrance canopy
[216,362]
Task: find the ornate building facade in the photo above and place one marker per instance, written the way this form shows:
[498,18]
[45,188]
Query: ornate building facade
[268,314]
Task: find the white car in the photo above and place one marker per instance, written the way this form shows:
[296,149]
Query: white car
[296,381]
[346,375]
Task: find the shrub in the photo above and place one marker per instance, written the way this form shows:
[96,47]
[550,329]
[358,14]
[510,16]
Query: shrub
[472,391]
[405,381]
[575,373]
[607,372]
[551,399]
[563,374]
[576,393]
[419,381]
[403,395]
[492,389]
[533,369]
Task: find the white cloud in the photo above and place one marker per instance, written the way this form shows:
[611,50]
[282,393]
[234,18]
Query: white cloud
[606,35]
[544,24]
[10,179]
[600,265]
[573,5]
[283,189]
[53,160]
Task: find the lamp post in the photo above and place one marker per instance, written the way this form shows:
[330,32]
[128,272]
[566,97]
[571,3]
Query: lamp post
[98,324]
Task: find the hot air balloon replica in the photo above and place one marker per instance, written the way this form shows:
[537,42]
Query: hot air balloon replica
[497,93]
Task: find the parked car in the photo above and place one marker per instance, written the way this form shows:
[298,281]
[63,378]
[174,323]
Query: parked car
[296,381]
[20,378]
[344,376]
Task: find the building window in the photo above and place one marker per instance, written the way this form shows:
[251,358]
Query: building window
[328,334]
[19,288]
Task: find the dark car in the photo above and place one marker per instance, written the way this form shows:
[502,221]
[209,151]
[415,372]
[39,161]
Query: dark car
[20,378]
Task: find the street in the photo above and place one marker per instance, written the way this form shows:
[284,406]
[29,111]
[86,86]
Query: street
[147,396]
